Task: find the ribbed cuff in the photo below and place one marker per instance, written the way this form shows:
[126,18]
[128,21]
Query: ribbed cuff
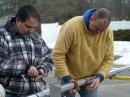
[100,76]
[67,78]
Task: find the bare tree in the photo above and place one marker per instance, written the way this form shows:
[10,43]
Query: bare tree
[62,10]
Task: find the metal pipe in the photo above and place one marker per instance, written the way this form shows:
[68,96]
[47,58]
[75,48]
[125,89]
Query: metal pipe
[41,94]
[56,90]
[61,88]
[81,82]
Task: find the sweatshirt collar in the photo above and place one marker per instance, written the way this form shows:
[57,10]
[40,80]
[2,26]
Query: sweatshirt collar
[87,15]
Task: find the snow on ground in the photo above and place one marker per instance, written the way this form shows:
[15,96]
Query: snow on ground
[50,33]
[120,25]
[122,48]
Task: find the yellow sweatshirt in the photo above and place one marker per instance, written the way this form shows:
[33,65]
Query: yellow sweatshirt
[81,54]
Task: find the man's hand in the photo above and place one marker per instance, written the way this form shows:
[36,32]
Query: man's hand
[33,72]
[69,79]
[41,71]
[74,90]
[94,85]
[41,74]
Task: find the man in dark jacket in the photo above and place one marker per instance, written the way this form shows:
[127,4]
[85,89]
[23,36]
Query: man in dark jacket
[24,56]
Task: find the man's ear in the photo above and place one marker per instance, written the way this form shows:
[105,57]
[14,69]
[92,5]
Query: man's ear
[17,19]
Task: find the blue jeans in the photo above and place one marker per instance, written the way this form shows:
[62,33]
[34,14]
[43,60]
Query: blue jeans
[83,93]
[86,93]
[10,95]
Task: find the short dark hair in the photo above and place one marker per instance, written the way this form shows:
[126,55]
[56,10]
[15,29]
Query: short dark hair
[27,11]
[103,13]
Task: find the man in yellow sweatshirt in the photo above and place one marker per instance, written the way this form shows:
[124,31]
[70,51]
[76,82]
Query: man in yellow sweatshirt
[84,48]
